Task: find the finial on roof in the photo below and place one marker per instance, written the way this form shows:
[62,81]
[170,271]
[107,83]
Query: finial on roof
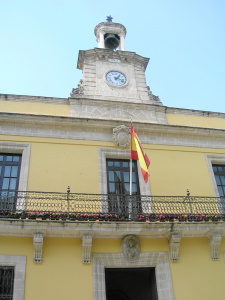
[109,19]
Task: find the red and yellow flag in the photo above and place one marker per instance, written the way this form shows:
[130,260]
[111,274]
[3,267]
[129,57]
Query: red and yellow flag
[137,153]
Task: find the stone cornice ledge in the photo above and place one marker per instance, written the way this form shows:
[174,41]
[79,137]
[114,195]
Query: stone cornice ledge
[40,99]
[74,128]
[27,228]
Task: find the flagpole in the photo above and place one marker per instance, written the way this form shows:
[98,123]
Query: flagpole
[130,159]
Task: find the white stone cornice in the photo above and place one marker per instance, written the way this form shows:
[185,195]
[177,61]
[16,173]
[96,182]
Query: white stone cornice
[174,245]
[39,99]
[117,230]
[214,243]
[101,130]
[86,248]
[38,246]
[197,113]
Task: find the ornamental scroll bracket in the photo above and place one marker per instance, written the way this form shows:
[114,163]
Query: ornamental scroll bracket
[86,248]
[214,244]
[121,136]
[38,246]
[174,245]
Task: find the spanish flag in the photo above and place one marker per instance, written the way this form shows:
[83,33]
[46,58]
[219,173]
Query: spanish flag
[138,153]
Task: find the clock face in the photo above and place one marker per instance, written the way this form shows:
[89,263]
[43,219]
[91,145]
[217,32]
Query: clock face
[116,78]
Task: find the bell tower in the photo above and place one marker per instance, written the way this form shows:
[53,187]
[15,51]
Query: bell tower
[110,35]
[114,83]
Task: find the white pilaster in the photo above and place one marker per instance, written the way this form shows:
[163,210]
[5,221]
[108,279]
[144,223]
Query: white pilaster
[121,45]
[101,43]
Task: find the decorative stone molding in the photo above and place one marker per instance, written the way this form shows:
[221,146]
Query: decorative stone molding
[130,57]
[214,243]
[79,90]
[121,136]
[38,246]
[130,247]
[174,244]
[86,248]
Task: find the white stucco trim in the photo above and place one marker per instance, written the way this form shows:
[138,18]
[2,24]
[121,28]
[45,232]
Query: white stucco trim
[19,262]
[159,260]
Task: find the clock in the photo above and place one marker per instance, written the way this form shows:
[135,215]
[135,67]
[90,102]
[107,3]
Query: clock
[116,78]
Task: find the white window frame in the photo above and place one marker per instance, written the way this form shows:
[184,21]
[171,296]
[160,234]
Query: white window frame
[19,148]
[24,150]
[113,153]
[218,160]
[103,154]
[19,263]
[159,260]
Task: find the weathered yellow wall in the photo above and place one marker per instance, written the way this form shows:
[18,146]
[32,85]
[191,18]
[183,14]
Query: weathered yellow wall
[62,275]
[208,122]
[35,108]
[57,163]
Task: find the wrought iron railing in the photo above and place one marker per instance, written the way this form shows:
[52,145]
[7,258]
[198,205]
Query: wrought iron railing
[128,207]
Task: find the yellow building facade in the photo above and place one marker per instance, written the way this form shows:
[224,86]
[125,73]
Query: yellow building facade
[69,228]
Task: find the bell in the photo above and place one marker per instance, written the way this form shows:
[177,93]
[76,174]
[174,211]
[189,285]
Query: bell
[112,41]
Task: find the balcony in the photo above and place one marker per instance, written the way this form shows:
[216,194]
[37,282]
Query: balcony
[71,207]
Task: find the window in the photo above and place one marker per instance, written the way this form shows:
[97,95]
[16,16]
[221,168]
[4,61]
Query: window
[219,172]
[9,179]
[6,282]
[118,183]
[12,268]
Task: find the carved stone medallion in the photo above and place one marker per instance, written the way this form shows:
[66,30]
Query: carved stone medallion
[121,136]
[130,247]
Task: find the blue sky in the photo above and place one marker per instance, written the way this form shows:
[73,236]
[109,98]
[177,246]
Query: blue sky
[184,39]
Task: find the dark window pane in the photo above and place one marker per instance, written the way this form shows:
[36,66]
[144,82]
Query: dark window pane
[220,189]
[126,176]
[0,170]
[16,158]
[220,169]
[110,163]
[214,168]
[1,157]
[8,158]
[134,188]
[12,185]
[7,171]
[5,184]
[222,179]
[14,171]
[118,176]
[133,177]
[112,188]
[127,188]
[111,176]
[126,164]
[116,164]
[217,180]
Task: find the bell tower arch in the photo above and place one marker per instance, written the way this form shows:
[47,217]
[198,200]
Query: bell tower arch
[110,35]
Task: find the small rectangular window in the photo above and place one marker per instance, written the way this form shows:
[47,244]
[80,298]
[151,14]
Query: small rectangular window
[219,172]
[6,282]
[9,179]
